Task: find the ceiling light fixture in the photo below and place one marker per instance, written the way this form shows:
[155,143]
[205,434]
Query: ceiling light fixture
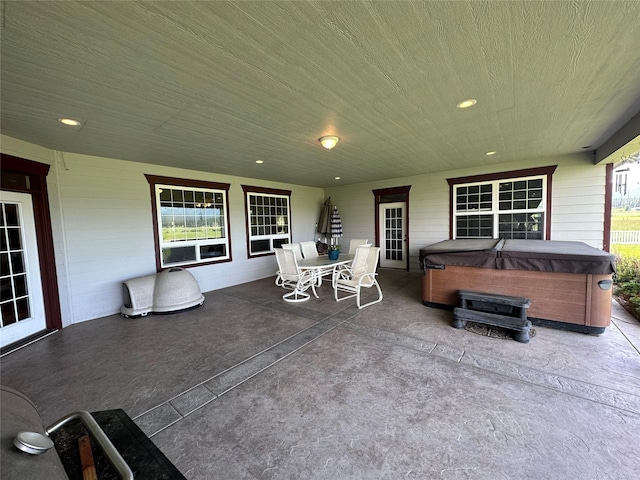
[467,103]
[488,154]
[337,178]
[329,141]
[72,122]
[259,161]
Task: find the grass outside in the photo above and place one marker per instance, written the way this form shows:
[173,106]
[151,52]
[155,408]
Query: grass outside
[176,234]
[627,278]
[625,220]
[622,220]
[632,251]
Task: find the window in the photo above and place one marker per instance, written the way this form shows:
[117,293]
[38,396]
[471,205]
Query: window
[268,219]
[191,221]
[504,205]
[621,181]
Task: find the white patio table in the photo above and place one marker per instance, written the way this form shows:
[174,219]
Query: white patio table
[320,266]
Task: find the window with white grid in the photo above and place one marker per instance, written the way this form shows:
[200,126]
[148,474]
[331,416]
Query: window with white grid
[268,219]
[192,222]
[504,208]
[14,298]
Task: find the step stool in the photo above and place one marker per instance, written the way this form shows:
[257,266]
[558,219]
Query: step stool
[495,310]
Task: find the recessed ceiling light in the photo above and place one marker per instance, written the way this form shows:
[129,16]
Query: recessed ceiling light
[488,154]
[259,161]
[70,121]
[467,103]
[337,178]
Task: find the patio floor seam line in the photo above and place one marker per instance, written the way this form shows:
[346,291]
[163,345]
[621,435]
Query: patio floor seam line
[245,379]
[596,398]
[385,334]
[215,397]
[265,350]
[272,363]
[599,392]
[220,394]
[246,360]
[286,307]
[633,411]
[176,396]
[150,435]
[621,330]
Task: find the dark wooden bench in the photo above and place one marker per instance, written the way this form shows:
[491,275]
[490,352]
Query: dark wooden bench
[496,310]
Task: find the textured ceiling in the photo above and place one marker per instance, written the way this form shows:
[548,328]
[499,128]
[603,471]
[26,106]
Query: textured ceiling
[214,86]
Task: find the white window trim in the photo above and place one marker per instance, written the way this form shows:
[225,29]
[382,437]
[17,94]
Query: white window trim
[546,173]
[495,201]
[279,238]
[157,183]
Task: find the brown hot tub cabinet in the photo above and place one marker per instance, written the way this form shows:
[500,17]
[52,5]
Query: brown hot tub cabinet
[569,283]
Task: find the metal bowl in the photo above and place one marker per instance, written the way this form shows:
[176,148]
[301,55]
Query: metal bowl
[32,442]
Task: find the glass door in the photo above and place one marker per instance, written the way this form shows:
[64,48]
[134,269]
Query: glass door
[393,238]
[21,301]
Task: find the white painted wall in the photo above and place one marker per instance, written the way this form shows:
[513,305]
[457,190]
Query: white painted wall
[103,230]
[36,153]
[103,233]
[578,193]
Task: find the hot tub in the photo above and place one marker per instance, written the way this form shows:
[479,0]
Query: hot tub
[569,283]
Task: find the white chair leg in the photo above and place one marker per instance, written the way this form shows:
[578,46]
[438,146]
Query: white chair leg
[379,299]
[296,296]
[339,299]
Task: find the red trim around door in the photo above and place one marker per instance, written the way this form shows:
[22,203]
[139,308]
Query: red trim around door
[37,188]
[403,196]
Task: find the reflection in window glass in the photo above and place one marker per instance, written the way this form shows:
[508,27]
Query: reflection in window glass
[14,289]
[512,208]
[192,224]
[268,218]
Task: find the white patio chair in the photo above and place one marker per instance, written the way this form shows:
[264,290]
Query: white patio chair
[295,247]
[309,249]
[293,278]
[298,253]
[355,243]
[344,271]
[361,274]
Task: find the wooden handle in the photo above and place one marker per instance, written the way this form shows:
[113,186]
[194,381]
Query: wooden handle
[86,459]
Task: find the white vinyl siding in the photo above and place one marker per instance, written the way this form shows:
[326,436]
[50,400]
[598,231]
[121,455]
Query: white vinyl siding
[578,202]
[103,227]
[103,231]
[578,193]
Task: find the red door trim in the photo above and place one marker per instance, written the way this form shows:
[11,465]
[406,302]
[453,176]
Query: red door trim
[403,196]
[37,188]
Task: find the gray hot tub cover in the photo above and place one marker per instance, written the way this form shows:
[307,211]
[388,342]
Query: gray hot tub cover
[534,255]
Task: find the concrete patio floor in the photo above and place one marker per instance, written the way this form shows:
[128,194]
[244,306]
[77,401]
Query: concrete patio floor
[250,387]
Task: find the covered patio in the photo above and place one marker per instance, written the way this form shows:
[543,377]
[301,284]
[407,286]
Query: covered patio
[251,387]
